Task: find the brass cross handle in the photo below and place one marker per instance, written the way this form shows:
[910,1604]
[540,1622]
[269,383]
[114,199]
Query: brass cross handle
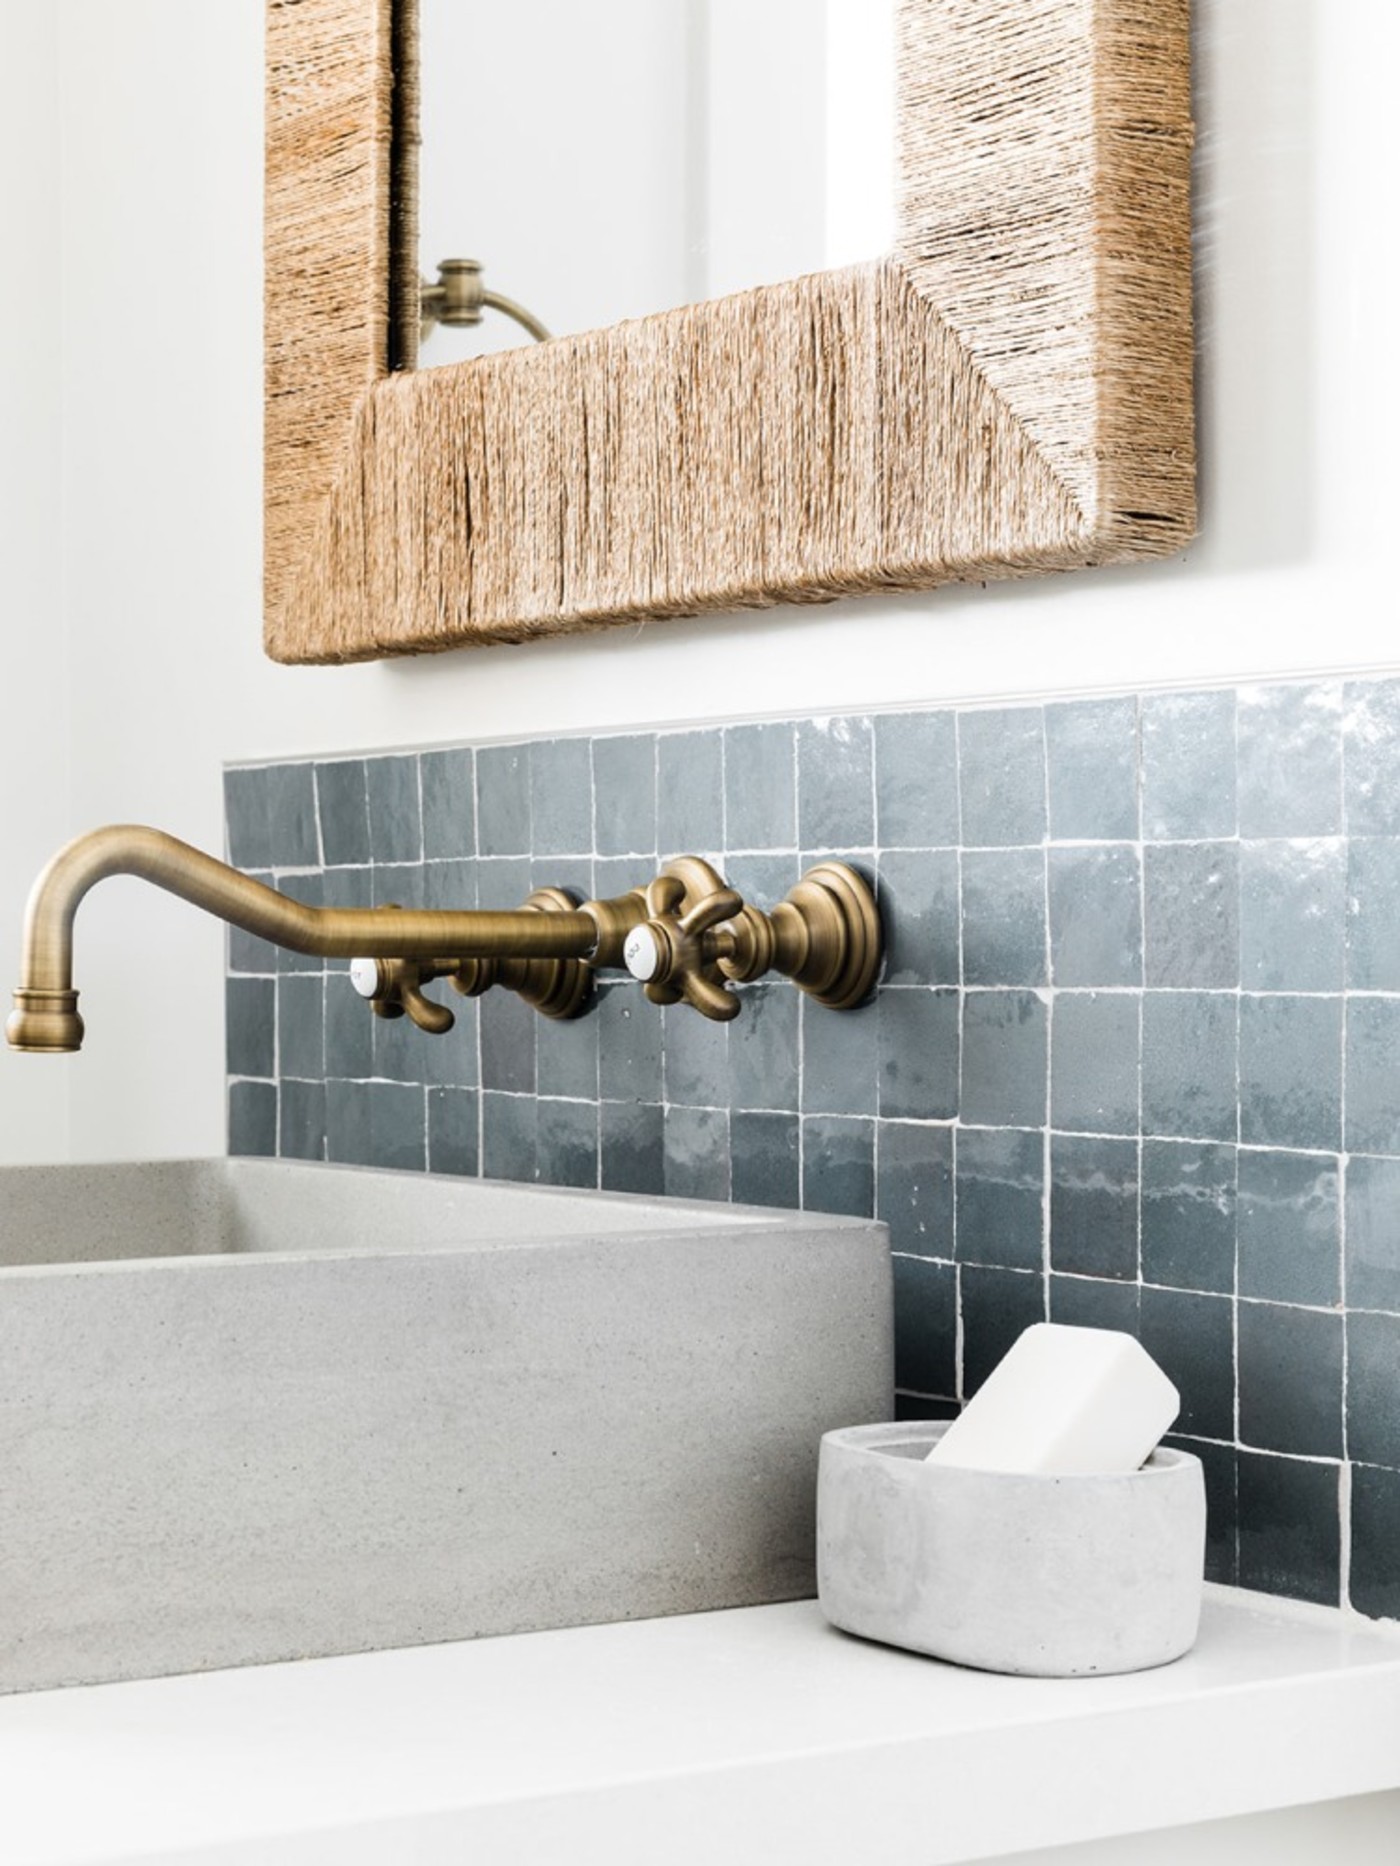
[395,987]
[700,934]
[677,955]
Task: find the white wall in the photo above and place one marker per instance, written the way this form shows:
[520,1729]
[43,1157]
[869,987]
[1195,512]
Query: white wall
[161,131]
[34,809]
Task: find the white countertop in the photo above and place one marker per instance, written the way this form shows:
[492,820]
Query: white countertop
[758,1735]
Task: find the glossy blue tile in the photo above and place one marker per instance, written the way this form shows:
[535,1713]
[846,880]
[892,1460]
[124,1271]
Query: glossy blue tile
[1188,1214]
[342,802]
[250,1021]
[566,1057]
[247,827]
[1189,1064]
[695,1057]
[379,1124]
[252,1119]
[1220,1469]
[841,1053]
[1092,754]
[1003,917]
[925,1326]
[629,1045]
[503,818]
[1191,1338]
[1000,1197]
[350,1030]
[508,1028]
[510,1138]
[835,783]
[568,1142]
[697,1153]
[1095,1302]
[760,786]
[690,793]
[918,896]
[764,1047]
[1290,1376]
[448,781]
[1291,1072]
[292,825]
[569,874]
[1375,1536]
[838,1165]
[1094,1206]
[301,1121]
[1004,1052]
[633,1147]
[1289,1528]
[1373,1234]
[1191,916]
[1290,1227]
[398,1048]
[1373,913]
[1373,1388]
[1290,760]
[399,884]
[1095,1062]
[1292,915]
[454,1132]
[561,797]
[450,886]
[1371,750]
[1188,766]
[920,1408]
[916,780]
[624,782]
[395,810]
[763,880]
[1095,916]
[914,1187]
[917,1033]
[301,1027]
[1372,1076]
[764,1160]
[1001,777]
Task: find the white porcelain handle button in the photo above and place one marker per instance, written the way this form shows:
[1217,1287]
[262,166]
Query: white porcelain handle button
[364,976]
[641,954]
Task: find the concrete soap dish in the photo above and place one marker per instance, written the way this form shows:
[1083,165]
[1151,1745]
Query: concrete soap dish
[1050,1577]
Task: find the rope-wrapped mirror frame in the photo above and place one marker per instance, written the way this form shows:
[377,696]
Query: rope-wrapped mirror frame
[1008,393]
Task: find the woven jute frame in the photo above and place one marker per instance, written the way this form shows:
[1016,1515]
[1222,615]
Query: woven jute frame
[1008,393]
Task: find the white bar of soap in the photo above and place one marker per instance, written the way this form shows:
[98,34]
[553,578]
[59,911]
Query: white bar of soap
[1064,1401]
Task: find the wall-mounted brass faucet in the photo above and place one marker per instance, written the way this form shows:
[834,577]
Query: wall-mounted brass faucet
[458,298]
[685,934]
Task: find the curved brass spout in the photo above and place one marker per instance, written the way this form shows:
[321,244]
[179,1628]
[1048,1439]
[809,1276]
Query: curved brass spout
[45,1017]
[685,935]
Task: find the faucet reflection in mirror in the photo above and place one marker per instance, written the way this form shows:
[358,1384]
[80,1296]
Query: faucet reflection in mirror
[684,934]
[459,297]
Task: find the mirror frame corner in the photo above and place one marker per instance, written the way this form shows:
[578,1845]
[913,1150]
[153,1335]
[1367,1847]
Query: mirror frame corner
[1009,393]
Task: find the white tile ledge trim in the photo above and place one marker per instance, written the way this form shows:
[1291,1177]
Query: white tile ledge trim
[758,1735]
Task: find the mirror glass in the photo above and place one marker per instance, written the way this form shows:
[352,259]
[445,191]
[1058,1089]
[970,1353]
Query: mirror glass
[607,160]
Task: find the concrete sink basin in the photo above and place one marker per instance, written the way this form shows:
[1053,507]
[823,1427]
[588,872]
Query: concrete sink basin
[255,1411]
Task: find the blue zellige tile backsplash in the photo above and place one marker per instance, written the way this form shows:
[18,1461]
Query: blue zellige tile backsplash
[1134,1063]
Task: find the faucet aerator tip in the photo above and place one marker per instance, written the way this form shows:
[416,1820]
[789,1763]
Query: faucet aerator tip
[45,1023]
